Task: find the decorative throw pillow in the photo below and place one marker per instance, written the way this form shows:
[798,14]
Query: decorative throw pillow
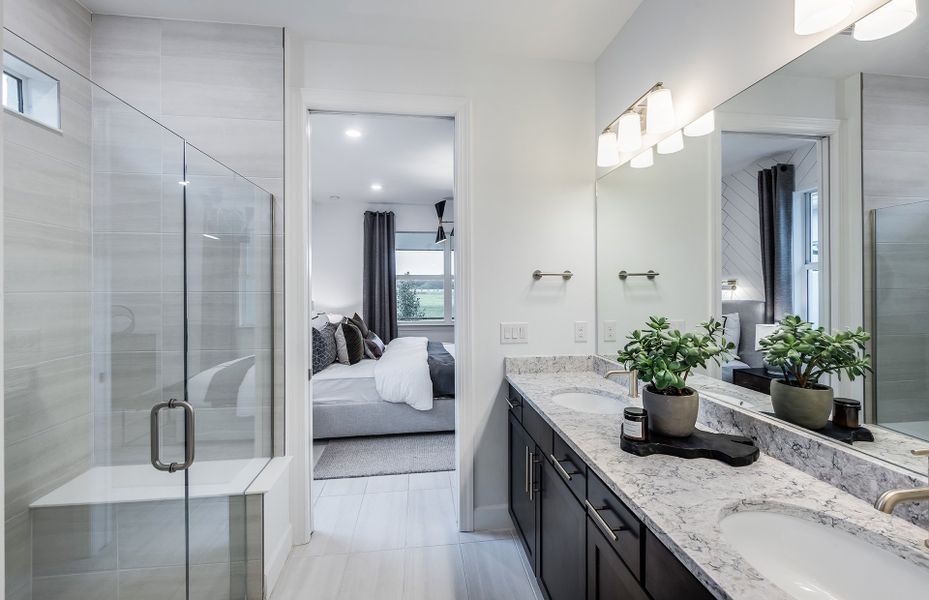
[324,347]
[354,342]
[341,347]
[732,330]
[374,347]
[358,322]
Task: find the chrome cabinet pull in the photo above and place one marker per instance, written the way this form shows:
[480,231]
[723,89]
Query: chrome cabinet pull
[561,471]
[189,436]
[595,515]
[526,474]
[532,463]
[512,405]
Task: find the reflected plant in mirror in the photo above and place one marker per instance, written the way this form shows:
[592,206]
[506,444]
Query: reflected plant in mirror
[665,358]
[804,354]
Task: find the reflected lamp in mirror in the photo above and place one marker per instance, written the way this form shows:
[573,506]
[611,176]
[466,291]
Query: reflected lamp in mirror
[894,16]
[671,144]
[703,126]
[813,16]
[643,160]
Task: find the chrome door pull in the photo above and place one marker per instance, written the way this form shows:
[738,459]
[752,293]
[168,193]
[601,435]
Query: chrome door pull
[561,470]
[526,478]
[189,439]
[532,463]
[595,515]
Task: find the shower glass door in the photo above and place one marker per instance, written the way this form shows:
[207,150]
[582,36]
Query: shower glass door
[900,317]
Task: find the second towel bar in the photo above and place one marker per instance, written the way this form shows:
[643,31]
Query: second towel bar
[650,274]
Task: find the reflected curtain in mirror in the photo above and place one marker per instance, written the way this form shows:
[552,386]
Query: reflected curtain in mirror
[775,218]
[379,299]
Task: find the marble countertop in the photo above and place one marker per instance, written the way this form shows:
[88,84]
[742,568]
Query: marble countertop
[682,501]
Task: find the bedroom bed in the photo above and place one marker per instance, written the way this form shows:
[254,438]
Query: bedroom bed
[347,403]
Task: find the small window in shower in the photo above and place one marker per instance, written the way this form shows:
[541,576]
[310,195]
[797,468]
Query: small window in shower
[30,92]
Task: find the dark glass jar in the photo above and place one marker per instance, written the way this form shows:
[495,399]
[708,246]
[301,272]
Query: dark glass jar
[635,424]
[846,413]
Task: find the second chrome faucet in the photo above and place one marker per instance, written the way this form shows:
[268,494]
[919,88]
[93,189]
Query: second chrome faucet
[633,380]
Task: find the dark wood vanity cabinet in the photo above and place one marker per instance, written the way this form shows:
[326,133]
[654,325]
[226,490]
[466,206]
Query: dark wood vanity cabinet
[581,539]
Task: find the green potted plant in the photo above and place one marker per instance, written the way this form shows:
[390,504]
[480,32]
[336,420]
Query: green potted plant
[804,354]
[664,359]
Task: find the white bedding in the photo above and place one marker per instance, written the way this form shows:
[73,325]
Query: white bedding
[356,384]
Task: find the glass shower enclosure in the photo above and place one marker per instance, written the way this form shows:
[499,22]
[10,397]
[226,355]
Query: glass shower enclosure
[139,287]
[900,317]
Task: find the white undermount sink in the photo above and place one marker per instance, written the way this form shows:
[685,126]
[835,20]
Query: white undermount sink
[589,402]
[809,560]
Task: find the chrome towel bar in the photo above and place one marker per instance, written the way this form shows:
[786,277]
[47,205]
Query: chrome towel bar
[566,275]
[649,274]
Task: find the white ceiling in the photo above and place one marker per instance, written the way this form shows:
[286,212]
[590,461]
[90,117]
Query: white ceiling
[569,30]
[413,158]
[739,150]
[905,53]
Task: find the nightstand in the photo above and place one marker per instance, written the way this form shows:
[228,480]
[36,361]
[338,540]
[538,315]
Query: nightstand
[754,379]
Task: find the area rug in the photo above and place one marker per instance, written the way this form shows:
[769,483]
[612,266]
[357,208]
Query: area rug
[386,455]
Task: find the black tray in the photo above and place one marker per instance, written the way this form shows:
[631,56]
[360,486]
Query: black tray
[734,450]
[842,434]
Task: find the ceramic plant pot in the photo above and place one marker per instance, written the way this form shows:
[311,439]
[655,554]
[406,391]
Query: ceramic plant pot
[806,407]
[673,416]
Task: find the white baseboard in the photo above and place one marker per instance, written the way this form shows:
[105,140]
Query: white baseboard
[275,560]
[496,516]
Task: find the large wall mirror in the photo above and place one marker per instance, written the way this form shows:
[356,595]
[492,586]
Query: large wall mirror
[809,197]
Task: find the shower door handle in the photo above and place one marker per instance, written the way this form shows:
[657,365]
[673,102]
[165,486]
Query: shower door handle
[189,439]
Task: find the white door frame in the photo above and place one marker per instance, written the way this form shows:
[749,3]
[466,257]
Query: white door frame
[832,212]
[299,160]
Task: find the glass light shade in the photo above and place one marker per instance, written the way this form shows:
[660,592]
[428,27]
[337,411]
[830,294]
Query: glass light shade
[671,144]
[894,16]
[813,16]
[629,131]
[659,118]
[702,126]
[607,152]
[643,160]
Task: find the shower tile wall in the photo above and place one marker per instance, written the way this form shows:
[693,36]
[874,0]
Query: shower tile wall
[47,220]
[221,87]
[895,149]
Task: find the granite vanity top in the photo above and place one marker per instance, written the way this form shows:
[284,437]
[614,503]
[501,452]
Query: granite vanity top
[682,501]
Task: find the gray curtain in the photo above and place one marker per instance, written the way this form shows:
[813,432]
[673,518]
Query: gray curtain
[775,217]
[379,301]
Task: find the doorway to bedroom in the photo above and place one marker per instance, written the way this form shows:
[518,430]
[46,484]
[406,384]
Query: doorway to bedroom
[383,318]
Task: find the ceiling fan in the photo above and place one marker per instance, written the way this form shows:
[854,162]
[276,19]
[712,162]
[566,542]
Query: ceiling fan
[440,212]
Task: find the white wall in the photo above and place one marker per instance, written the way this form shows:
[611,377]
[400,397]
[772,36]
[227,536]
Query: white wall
[532,163]
[705,51]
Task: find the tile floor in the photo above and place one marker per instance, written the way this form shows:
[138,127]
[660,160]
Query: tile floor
[394,537]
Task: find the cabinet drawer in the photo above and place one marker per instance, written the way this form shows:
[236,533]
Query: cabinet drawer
[666,578]
[608,578]
[617,523]
[538,429]
[569,466]
[514,402]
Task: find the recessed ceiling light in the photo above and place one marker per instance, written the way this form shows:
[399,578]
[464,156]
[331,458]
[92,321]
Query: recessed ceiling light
[353,133]
[376,187]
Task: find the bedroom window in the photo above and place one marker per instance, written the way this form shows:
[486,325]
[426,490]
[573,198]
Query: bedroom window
[425,278]
[807,280]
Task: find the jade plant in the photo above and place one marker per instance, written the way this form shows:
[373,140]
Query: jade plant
[805,353]
[665,357]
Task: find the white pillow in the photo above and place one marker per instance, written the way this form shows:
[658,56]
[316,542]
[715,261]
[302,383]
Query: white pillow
[732,330]
[341,348]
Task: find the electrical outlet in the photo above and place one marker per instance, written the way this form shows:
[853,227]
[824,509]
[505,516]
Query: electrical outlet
[580,331]
[609,331]
[514,333]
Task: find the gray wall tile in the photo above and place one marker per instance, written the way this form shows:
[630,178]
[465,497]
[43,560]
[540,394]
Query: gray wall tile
[46,258]
[60,27]
[46,394]
[73,539]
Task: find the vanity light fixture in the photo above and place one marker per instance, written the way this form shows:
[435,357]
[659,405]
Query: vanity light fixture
[894,16]
[702,126]
[813,16]
[376,187]
[607,151]
[671,144]
[659,116]
[629,131]
[643,160]
[353,133]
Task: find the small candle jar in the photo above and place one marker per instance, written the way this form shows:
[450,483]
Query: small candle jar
[635,424]
[846,413]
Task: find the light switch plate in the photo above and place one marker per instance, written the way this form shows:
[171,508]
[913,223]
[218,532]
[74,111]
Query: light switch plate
[514,333]
[609,331]
[580,331]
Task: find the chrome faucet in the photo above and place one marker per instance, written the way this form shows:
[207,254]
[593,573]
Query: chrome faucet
[891,498]
[633,380]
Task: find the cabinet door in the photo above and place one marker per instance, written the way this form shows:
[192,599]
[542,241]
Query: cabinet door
[608,578]
[562,535]
[522,496]
[666,578]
